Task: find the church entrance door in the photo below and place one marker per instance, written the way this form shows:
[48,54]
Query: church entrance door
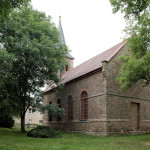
[134,116]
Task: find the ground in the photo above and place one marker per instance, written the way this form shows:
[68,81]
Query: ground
[13,139]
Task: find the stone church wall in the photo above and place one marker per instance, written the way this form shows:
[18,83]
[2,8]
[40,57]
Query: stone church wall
[110,110]
[94,85]
[119,103]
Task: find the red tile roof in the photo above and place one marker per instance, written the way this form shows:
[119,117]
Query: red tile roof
[89,65]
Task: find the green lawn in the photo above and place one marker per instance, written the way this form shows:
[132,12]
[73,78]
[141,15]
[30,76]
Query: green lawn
[13,139]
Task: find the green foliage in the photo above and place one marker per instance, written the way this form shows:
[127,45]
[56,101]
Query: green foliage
[6,121]
[43,132]
[133,70]
[6,81]
[5,65]
[6,118]
[130,7]
[53,109]
[32,42]
[136,67]
[7,5]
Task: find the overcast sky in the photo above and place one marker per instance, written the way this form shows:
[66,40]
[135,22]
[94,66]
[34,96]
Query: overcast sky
[89,26]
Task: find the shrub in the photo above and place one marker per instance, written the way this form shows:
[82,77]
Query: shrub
[6,118]
[43,132]
[6,121]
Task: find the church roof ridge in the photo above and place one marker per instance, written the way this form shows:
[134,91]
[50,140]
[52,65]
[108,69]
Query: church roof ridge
[90,65]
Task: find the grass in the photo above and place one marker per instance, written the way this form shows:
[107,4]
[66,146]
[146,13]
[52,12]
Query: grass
[13,139]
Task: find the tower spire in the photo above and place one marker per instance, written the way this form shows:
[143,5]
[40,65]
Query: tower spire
[62,37]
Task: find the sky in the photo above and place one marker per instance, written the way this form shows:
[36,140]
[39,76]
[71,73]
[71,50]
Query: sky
[89,26]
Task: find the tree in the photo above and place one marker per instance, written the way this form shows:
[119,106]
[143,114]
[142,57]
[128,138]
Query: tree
[37,55]
[7,5]
[136,66]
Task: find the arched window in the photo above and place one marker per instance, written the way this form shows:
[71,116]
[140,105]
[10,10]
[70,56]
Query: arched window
[70,108]
[59,105]
[84,106]
[50,116]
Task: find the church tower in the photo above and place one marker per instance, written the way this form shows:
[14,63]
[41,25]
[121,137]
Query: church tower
[69,58]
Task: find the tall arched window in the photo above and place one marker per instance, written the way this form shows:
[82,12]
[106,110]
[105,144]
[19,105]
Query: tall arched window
[84,106]
[59,105]
[70,108]
[50,115]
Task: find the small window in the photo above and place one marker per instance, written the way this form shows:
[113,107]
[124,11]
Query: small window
[70,108]
[30,111]
[84,106]
[40,121]
[66,68]
[30,121]
[59,105]
[50,115]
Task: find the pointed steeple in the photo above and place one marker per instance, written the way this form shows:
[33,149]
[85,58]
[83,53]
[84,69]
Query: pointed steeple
[69,58]
[62,37]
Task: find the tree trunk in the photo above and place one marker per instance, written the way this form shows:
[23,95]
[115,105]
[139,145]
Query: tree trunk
[23,122]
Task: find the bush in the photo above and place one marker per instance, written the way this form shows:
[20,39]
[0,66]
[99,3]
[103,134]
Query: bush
[6,121]
[43,132]
[6,117]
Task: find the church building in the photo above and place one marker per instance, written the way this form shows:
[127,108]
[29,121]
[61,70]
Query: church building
[93,101]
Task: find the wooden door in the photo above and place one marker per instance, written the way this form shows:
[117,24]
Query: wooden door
[134,116]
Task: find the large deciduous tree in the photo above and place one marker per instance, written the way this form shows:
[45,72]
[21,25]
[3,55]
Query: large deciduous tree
[31,40]
[136,66]
[7,5]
